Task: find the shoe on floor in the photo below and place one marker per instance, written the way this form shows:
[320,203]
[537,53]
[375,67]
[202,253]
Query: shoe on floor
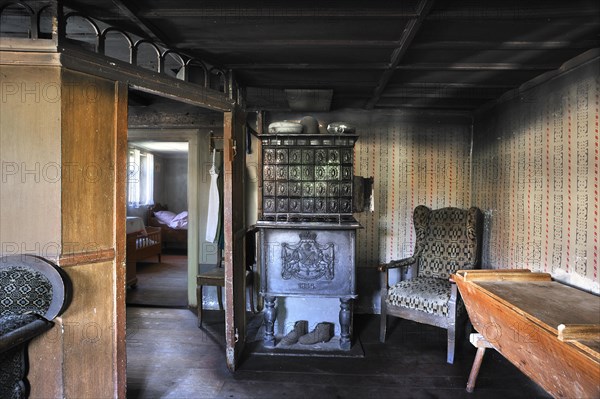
[300,329]
[323,332]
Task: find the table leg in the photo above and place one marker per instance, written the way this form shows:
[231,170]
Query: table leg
[475,369]
[270,314]
[345,319]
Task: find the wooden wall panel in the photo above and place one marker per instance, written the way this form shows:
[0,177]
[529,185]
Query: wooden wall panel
[88,333]
[88,127]
[30,160]
[45,363]
[535,169]
[121,158]
[93,126]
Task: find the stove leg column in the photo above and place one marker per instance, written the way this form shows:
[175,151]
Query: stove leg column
[345,319]
[270,314]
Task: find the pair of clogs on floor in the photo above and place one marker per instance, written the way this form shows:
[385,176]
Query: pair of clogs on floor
[323,332]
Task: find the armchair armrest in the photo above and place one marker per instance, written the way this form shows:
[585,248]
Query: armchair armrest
[398,263]
[18,329]
[393,265]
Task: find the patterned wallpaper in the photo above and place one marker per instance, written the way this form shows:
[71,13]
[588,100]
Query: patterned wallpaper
[414,163]
[535,175]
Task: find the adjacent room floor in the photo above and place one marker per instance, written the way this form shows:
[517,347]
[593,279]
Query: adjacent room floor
[161,284]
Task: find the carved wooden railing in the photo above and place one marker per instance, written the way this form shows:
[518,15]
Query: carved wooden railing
[212,77]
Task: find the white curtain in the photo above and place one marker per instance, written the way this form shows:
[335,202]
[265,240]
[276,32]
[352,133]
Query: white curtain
[133,177]
[140,178]
[148,183]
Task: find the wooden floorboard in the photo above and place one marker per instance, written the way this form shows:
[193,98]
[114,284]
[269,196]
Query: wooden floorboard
[170,357]
[160,284]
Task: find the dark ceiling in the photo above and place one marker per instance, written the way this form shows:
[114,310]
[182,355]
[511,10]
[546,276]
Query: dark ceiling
[451,55]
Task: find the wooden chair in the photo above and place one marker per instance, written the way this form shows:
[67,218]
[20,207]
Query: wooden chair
[216,277]
[447,240]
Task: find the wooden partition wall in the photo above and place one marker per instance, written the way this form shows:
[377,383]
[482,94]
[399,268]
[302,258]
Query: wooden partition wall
[63,147]
[62,197]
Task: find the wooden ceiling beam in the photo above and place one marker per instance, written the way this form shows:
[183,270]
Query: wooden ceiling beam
[278,12]
[569,10]
[307,66]
[444,93]
[477,66]
[336,87]
[505,45]
[151,31]
[430,45]
[284,44]
[448,85]
[448,104]
[298,84]
[411,29]
[458,66]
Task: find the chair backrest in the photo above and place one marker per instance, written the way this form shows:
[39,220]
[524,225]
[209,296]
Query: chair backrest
[448,239]
[32,284]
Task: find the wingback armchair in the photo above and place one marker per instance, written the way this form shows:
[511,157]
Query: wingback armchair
[447,240]
[33,292]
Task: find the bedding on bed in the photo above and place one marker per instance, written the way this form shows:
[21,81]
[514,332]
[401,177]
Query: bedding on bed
[164,216]
[175,221]
[173,226]
[180,221]
[134,224]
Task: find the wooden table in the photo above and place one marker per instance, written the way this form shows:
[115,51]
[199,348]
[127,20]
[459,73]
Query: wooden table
[520,312]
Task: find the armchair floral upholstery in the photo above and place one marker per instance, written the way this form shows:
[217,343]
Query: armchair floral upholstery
[33,292]
[447,240]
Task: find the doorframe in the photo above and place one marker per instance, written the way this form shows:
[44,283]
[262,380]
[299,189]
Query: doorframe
[192,137]
[235,229]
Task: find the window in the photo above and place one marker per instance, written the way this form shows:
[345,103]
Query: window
[140,178]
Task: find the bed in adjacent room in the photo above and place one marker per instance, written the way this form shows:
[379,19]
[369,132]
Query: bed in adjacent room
[172,225]
[142,242]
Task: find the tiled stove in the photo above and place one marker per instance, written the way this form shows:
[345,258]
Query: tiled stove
[307,231]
